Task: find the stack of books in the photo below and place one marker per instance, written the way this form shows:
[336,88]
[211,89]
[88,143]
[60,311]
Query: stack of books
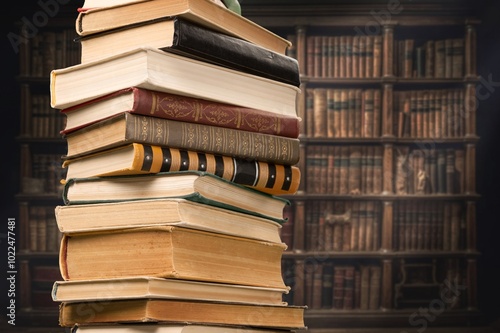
[182,136]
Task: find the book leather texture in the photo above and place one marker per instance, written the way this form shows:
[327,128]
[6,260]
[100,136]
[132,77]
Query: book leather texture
[129,128]
[276,179]
[195,110]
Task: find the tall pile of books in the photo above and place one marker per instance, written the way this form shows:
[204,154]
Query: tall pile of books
[182,137]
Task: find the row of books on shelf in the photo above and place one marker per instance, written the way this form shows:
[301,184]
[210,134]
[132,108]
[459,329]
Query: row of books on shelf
[346,169]
[430,114]
[44,122]
[44,235]
[429,225]
[440,58]
[43,172]
[357,113]
[429,171]
[340,286]
[343,113]
[345,56]
[48,50]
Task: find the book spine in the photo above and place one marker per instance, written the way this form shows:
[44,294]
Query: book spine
[213,139]
[266,177]
[195,110]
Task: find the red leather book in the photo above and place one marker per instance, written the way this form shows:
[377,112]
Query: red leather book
[176,107]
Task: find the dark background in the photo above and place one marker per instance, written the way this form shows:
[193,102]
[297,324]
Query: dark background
[488,148]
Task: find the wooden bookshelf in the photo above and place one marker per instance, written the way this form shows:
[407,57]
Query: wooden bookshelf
[421,235]
[40,150]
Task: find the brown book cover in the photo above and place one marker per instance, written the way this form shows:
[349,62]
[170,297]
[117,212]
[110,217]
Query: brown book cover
[362,56]
[458,55]
[355,56]
[182,108]
[348,302]
[438,109]
[354,173]
[456,216]
[336,52]
[358,116]
[354,221]
[344,170]
[343,56]
[317,287]
[448,58]
[362,229]
[368,180]
[327,286]
[369,225]
[331,56]
[368,113]
[369,45]
[409,45]
[317,57]
[450,171]
[336,169]
[348,56]
[375,287]
[180,310]
[364,287]
[431,131]
[324,56]
[177,252]
[338,286]
[459,171]
[357,289]
[439,57]
[377,112]
[309,113]
[378,170]
[351,113]
[337,113]
[447,226]
[429,58]
[332,115]
[320,113]
[344,113]
[129,128]
[310,50]
[377,56]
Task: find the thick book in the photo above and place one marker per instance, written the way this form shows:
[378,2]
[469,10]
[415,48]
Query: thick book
[145,311]
[168,211]
[129,128]
[176,107]
[272,178]
[171,252]
[103,290]
[204,12]
[194,186]
[88,4]
[155,69]
[180,36]
[167,328]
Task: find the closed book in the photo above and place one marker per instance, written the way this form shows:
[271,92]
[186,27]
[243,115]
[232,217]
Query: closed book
[155,69]
[128,128]
[167,211]
[171,252]
[195,186]
[137,158]
[203,12]
[180,36]
[167,328]
[176,107]
[88,4]
[103,290]
[163,311]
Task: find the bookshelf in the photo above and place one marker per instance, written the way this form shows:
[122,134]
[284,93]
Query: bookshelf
[384,225]
[40,150]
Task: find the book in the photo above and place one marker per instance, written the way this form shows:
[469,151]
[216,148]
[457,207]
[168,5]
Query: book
[272,178]
[102,290]
[167,211]
[88,4]
[204,12]
[194,186]
[167,328]
[129,128]
[182,311]
[176,107]
[155,69]
[171,252]
[188,39]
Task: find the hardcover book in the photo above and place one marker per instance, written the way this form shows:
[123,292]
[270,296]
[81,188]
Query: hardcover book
[128,128]
[171,252]
[167,328]
[174,34]
[155,69]
[169,211]
[204,12]
[183,311]
[272,178]
[176,107]
[103,290]
[195,186]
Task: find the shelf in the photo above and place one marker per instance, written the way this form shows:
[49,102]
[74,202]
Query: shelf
[381,254]
[384,197]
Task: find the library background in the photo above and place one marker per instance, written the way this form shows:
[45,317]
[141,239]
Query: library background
[372,245]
